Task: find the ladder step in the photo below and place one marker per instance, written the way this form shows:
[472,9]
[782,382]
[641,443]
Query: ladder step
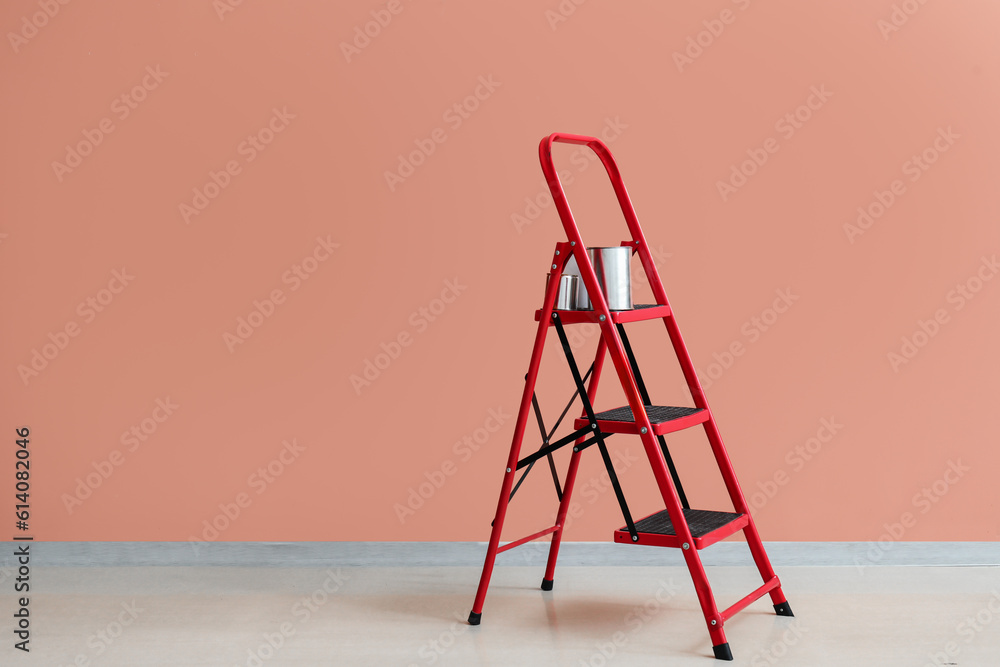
[639,313]
[707,527]
[664,419]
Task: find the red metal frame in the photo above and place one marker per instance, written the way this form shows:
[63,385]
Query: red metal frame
[533,536]
[611,344]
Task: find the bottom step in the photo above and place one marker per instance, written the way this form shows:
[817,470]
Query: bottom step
[707,527]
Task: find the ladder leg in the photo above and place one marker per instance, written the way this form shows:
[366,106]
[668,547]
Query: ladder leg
[475,616]
[665,483]
[726,467]
[702,587]
[574,463]
[760,558]
[508,482]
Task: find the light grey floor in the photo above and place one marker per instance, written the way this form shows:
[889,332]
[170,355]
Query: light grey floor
[416,616]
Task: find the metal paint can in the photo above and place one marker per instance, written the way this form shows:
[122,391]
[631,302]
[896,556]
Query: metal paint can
[566,297]
[613,276]
[568,285]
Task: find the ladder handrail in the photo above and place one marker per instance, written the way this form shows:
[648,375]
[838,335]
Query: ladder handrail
[638,242]
[566,215]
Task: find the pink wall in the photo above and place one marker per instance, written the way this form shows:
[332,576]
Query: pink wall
[298,133]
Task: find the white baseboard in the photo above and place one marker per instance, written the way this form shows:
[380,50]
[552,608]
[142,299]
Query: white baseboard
[470,554]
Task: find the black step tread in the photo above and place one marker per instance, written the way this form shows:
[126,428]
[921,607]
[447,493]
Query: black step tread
[657,414]
[700,522]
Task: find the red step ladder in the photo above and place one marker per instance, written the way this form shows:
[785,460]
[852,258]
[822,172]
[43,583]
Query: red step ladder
[676,526]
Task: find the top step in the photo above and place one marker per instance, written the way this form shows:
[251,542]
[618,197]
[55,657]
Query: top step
[640,312]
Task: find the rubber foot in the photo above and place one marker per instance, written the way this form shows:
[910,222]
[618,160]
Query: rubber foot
[546,584]
[475,618]
[722,652]
[783,609]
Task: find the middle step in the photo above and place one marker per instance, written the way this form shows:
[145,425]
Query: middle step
[664,419]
